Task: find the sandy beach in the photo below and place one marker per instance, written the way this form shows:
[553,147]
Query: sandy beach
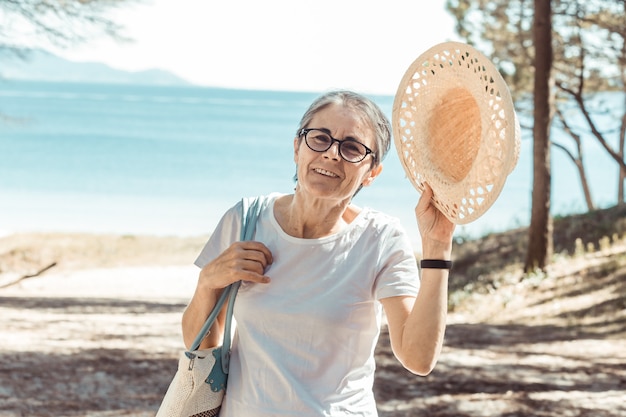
[91,327]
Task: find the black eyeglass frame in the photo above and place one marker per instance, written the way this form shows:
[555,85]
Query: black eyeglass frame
[303,134]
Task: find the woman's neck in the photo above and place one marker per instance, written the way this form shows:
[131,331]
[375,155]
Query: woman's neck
[312,219]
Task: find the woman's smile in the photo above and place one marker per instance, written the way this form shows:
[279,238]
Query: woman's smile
[325,173]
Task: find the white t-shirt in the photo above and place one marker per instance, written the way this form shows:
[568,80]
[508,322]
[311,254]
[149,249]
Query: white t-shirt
[304,344]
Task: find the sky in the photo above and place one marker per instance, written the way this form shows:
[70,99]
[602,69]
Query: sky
[302,45]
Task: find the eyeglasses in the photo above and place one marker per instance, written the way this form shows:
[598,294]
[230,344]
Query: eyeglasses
[351,150]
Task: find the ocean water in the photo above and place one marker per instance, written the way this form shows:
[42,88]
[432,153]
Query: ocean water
[170,160]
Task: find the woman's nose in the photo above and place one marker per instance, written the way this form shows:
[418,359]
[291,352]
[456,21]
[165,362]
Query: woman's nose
[333,151]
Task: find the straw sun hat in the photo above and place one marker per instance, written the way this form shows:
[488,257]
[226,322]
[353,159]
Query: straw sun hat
[455,128]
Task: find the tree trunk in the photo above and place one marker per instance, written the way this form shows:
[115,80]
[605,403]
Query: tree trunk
[582,174]
[585,184]
[622,132]
[576,159]
[540,243]
[622,174]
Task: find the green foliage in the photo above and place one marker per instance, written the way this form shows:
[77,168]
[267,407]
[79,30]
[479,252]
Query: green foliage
[502,30]
[587,39]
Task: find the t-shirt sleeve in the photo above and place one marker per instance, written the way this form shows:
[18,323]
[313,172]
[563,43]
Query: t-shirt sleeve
[226,232]
[398,273]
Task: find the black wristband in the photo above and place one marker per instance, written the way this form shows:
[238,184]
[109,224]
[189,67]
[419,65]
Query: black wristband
[435,264]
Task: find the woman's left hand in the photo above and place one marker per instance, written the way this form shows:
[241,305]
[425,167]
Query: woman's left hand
[433,225]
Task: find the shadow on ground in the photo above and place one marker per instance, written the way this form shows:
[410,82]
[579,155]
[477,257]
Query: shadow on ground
[507,370]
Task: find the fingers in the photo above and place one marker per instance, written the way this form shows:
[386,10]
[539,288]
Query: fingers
[255,251]
[424,204]
[432,223]
[428,192]
[251,261]
[246,261]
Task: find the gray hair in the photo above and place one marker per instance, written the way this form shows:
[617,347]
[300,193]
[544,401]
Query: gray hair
[366,107]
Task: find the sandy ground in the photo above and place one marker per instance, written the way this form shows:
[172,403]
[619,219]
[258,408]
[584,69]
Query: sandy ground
[103,341]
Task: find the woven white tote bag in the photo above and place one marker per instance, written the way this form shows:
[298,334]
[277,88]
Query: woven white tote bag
[199,384]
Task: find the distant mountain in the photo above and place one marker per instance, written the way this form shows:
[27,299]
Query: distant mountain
[40,65]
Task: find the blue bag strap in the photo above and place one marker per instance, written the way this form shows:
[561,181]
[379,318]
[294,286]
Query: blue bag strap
[251,209]
[211,319]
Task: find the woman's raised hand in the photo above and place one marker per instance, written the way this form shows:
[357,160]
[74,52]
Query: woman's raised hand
[432,224]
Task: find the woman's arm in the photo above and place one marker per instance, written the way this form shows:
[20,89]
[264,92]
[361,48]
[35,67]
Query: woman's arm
[244,261]
[417,324]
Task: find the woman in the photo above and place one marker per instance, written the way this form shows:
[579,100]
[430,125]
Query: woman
[308,310]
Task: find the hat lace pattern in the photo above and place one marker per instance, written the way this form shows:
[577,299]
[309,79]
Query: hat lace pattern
[455,128]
